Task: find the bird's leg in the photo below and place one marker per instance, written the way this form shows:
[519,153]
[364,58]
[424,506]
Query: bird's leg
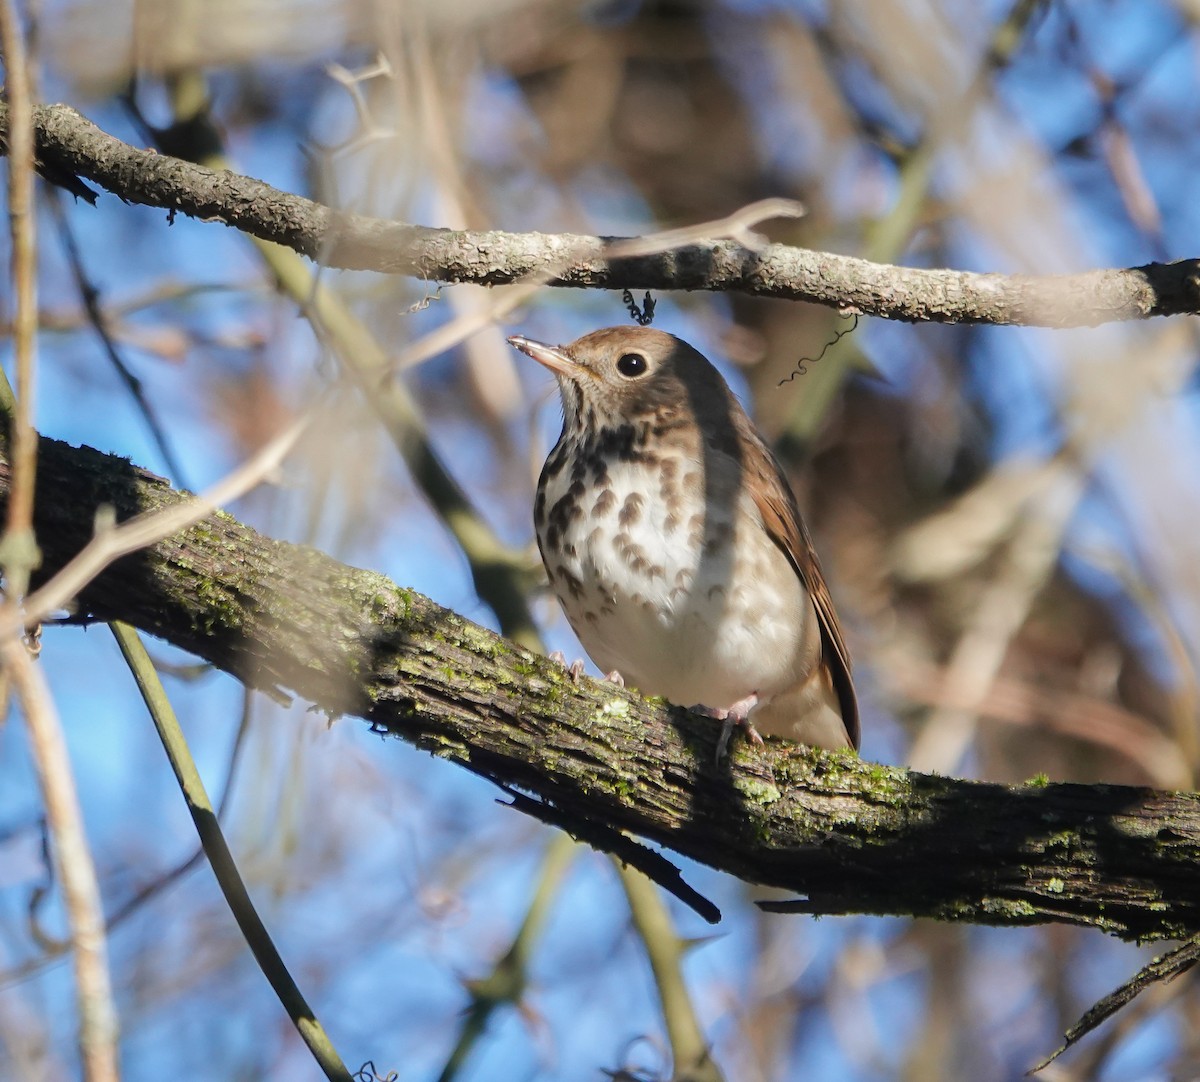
[574,670]
[733,717]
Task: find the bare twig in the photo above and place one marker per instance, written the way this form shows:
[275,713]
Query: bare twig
[347,241]
[111,542]
[665,950]
[506,983]
[73,861]
[739,224]
[90,296]
[19,556]
[1166,967]
[212,839]
[18,547]
[497,571]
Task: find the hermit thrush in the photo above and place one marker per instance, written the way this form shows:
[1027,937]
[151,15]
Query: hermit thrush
[674,544]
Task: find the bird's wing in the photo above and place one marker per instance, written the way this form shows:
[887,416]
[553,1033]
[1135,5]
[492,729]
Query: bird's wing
[777,505]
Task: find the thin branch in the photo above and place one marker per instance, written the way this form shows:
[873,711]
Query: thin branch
[19,556]
[1166,967]
[692,1058]
[624,850]
[53,950]
[110,542]
[67,141]
[497,572]
[844,835]
[90,296]
[73,861]
[212,839]
[506,983]
[18,547]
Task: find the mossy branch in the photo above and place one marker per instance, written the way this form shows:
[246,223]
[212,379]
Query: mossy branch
[848,836]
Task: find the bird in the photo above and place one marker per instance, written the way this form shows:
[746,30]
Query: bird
[675,545]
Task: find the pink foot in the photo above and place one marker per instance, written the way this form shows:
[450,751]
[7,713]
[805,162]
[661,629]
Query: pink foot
[574,670]
[733,717]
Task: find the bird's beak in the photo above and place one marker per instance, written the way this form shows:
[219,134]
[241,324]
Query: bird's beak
[552,357]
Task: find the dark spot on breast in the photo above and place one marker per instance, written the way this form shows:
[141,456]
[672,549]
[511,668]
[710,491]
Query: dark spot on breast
[555,462]
[668,421]
[605,502]
[567,508]
[631,509]
[668,474]
[636,559]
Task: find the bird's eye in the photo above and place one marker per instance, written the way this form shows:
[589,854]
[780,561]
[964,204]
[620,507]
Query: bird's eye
[632,365]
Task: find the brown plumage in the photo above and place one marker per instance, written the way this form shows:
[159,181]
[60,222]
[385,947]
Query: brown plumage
[674,543]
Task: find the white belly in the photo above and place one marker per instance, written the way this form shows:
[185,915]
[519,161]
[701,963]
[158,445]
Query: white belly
[659,596]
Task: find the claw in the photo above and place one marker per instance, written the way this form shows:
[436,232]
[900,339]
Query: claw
[574,670]
[615,677]
[736,716]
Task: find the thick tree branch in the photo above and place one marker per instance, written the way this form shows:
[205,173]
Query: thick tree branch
[848,835]
[68,144]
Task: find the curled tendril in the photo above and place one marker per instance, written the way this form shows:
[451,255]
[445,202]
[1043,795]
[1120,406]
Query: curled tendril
[801,366]
[368,1073]
[644,315]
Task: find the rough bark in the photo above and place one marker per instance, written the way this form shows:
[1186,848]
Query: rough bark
[849,836]
[69,145]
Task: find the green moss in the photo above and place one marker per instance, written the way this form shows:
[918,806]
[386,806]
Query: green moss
[1038,781]
[756,790]
[1056,885]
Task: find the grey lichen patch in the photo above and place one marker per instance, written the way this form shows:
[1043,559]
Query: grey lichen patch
[614,709]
